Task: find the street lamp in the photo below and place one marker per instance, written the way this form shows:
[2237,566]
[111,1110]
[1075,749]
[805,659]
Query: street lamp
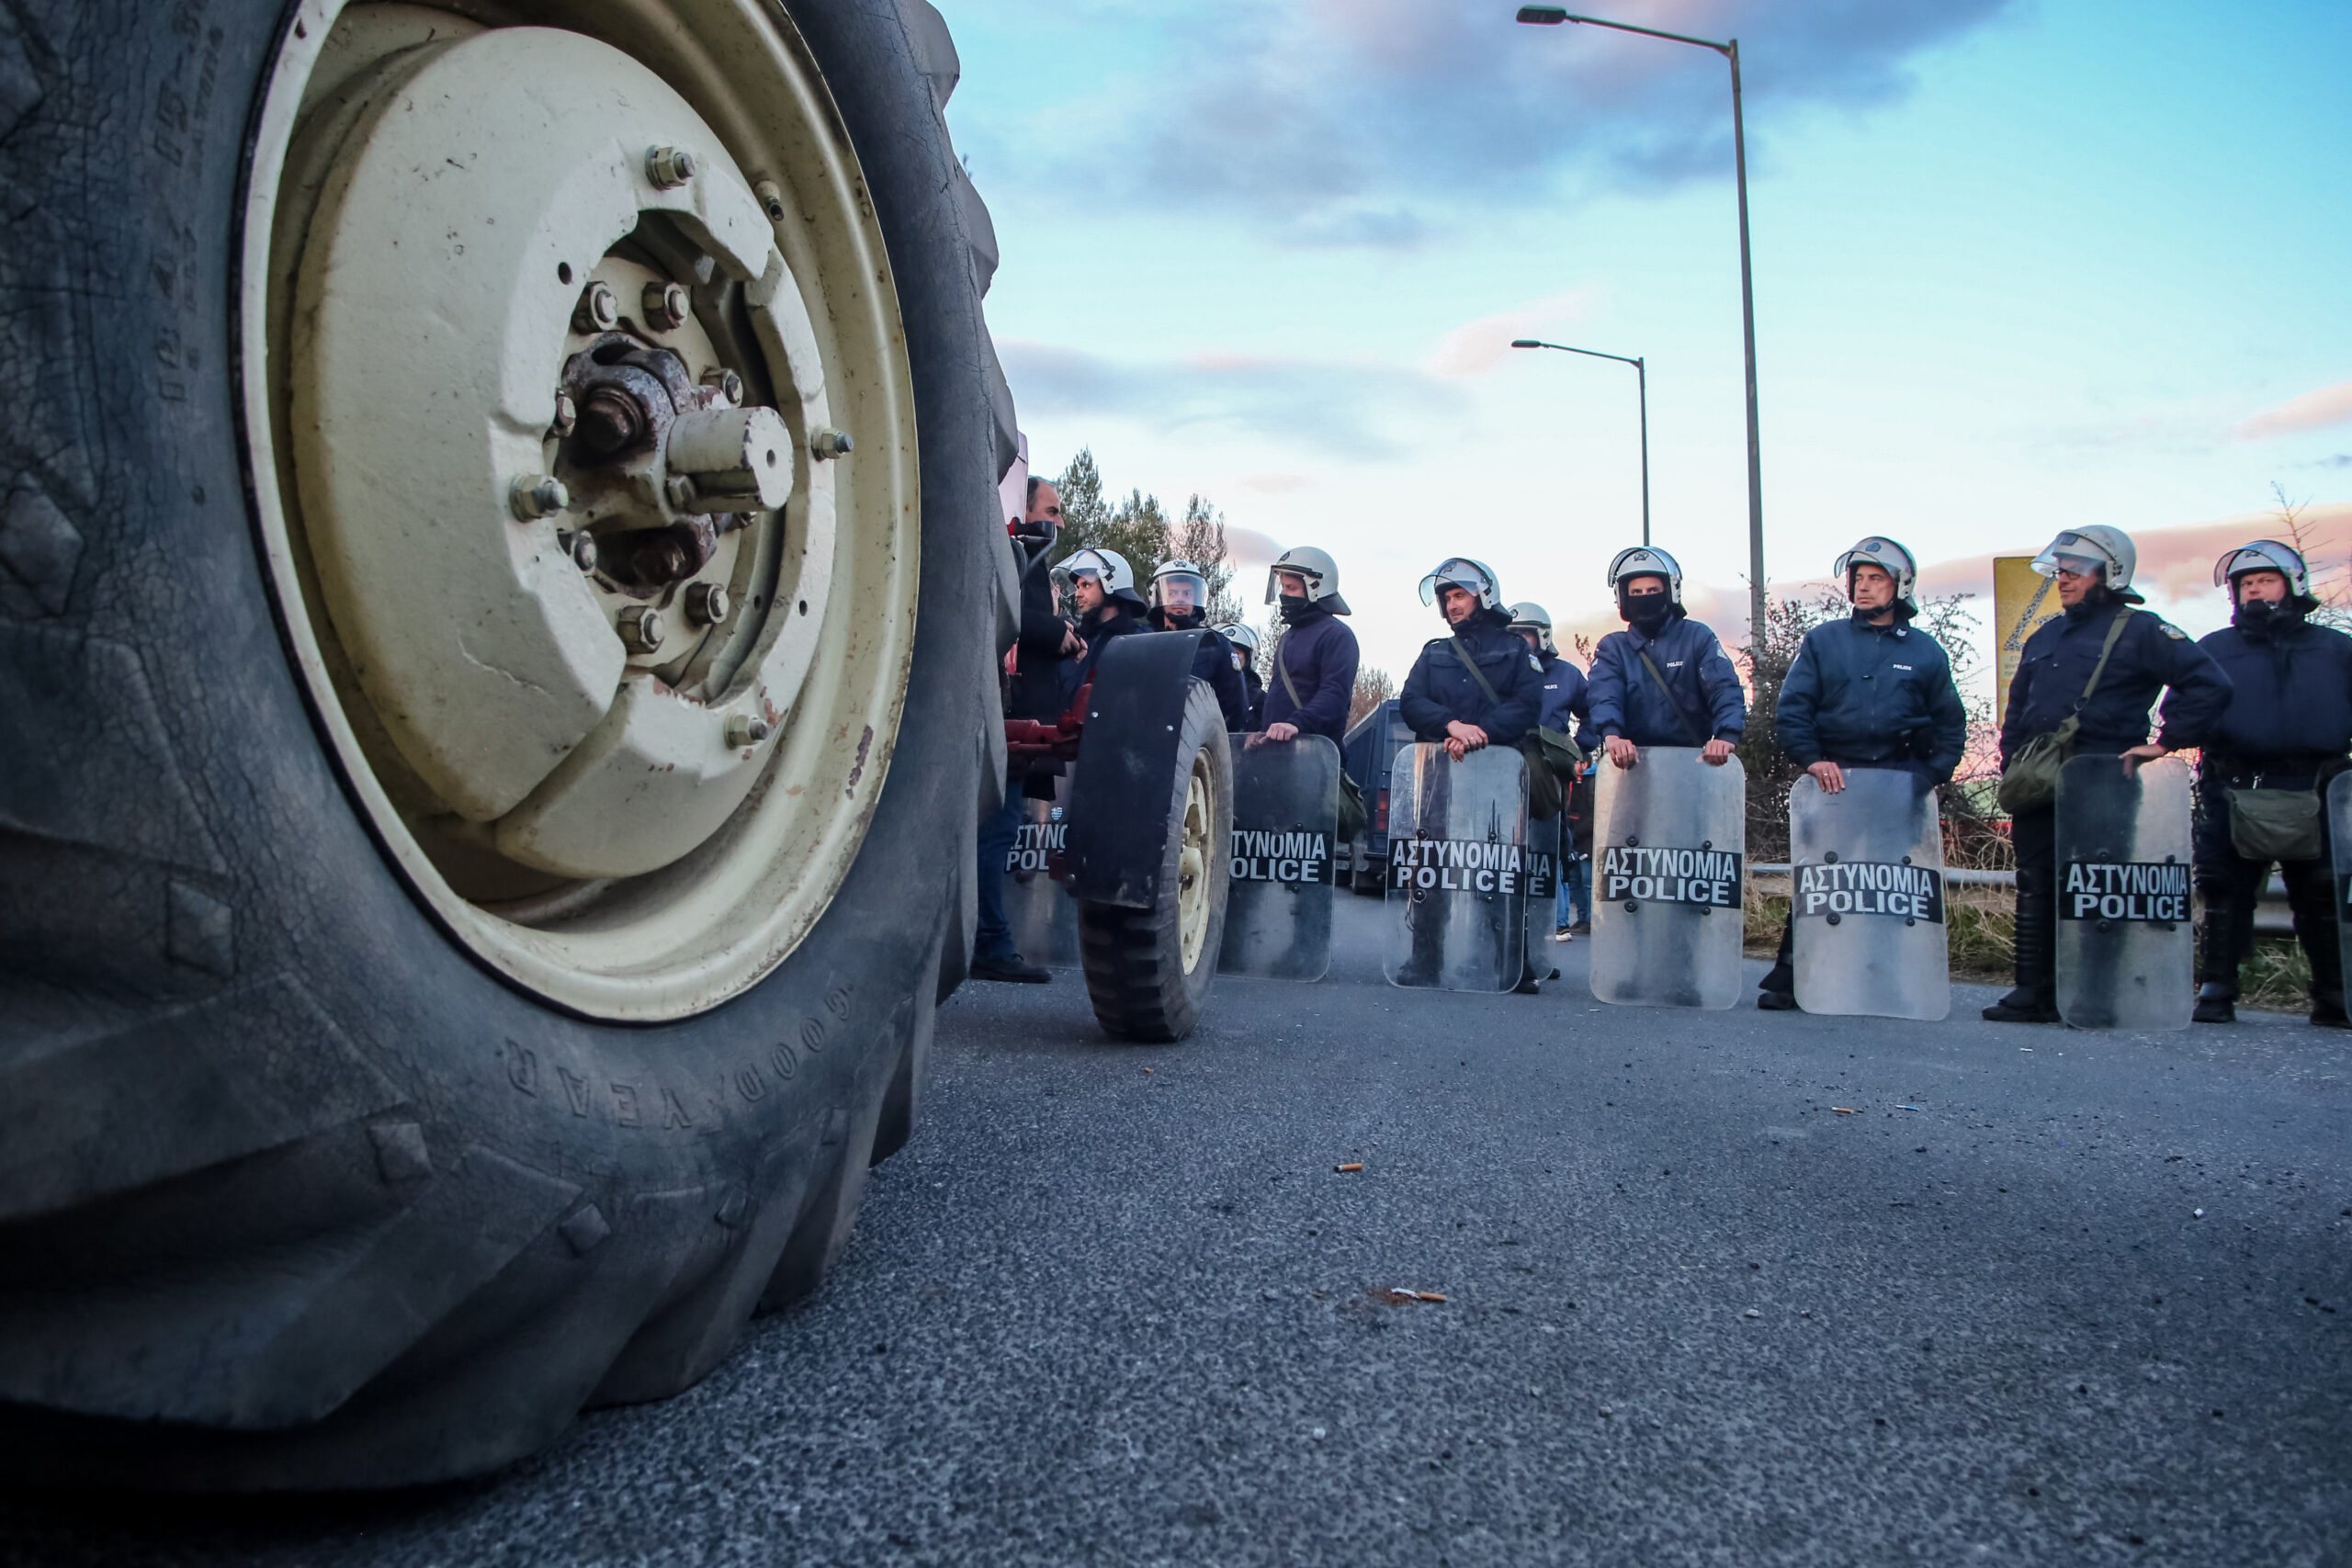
[1552,16]
[1642,386]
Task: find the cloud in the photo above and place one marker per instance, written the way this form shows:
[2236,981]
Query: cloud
[1362,122]
[2313,411]
[1349,410]
[1476,347]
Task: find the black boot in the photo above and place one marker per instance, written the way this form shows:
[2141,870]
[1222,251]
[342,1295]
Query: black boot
[2216,1003]
[2035,999]
[2217,957]
[1777,992]
[2327,1010]
[2310,894]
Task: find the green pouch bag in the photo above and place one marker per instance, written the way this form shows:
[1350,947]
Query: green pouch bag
[2030,780]
[2275,824]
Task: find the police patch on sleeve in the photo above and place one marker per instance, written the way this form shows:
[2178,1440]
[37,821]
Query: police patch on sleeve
[1535,664]
[2173,632]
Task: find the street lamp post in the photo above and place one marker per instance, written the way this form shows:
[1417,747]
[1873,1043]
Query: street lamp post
[1552,16]
[1642,387]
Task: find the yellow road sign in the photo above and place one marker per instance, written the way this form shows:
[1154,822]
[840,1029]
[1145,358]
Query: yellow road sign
[2022,599]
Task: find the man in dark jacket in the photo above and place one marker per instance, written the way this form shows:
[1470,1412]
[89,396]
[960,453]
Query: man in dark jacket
[1101,588]
[1867,691]
[1565,702]
[1244,643]
[2093,567]
[1664,681]
[1314,675]
[1180,593]
[1478,687]
[1033,689]
[2287,727]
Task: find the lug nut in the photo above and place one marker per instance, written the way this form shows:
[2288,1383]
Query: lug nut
[771,197]
[640,628]
[680,490]
[829,443]
[707,604]
[599,310]
[665,307]
[668,167]
[567,415]
[581,547]
[730,384]
[534,496]
[743,730]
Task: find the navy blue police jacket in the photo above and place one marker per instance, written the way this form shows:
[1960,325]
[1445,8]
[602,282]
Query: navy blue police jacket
[1861,696]
[2151,655]
[1098,631]
[1624,699]
[1254,696]
[1319,655]
[1440,689]
[1213,663]
[1564,696]
[1038,689]
[2291,706]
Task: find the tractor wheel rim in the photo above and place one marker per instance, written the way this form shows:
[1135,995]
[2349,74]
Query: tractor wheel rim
[1193,865]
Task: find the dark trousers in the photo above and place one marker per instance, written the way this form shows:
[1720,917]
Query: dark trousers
[2230,886]
[993,937]
[2034,836]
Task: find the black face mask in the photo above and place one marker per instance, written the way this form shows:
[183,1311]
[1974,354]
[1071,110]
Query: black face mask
[1645,613]
[2261,618]
[1175,620]
[1297,609]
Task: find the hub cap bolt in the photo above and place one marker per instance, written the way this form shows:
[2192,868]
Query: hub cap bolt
[707,604]
[582,546]
[771,197]
[742,729]
[828,444]
[567,415]
[640,628]
[681,492]
[730,384]
[534,496]
[665,307]
[599,310]
[668,167]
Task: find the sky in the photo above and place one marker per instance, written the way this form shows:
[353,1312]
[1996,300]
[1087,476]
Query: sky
[2018,266]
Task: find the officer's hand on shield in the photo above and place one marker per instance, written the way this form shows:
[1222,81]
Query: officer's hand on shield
[1829,776]
[1716,752]
[1621,751]
[2148,752]
[1463,739]
[1282,732]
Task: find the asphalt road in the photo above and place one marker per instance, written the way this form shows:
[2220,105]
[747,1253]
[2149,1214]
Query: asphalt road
[1115,1305]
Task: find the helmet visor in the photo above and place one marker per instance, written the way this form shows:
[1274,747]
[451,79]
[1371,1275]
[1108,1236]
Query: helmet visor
[2263,555]
[1180,591]
[2071,552]
[1457,573]
[1310,580]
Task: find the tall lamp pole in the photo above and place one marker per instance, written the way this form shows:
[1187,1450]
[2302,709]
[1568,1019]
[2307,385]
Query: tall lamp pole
[1552,16]
[1642,386]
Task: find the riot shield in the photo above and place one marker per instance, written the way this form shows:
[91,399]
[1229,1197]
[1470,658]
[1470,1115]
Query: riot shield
[1457,868]
[1039,910]
[1544,839]
[1866,886]
[2125,950]
[1285,826]
[2339,833]
[1670,841]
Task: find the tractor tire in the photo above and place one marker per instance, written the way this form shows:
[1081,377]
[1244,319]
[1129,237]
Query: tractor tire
[351,1138]
[1148,971]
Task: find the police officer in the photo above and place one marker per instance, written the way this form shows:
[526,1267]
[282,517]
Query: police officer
[1180,595]
[1314,677]
[1477,687]
[1664,681]
[1564,684]
[1867,691]
[2287,727]
[1244,643]
[1034,690]
[2093,567]
[1101,589]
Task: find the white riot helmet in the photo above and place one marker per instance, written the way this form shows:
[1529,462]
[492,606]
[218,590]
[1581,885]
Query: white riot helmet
[1460,571]
[1642,560]
[1109,567]
[1889,558]
[1527,615]
[2265,554]
[2096,546]
[1317,570]
[1180,588]
[1239,635]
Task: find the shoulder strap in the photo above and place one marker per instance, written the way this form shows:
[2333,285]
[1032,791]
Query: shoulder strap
[1284,670]
[1475,673]
[1689,728]
[2114,635]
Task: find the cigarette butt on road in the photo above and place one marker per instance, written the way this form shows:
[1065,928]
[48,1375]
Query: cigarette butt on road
[1147,1069]
[1843,1110]
[1344,1170]
[1428,1295]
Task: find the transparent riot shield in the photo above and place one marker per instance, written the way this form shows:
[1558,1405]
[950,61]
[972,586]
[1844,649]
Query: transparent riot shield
[1457,869]
[1866,886]
[1039,910]
[1544,840]
[1285,828]
[1670,872]
[2125,949]
[2339,833]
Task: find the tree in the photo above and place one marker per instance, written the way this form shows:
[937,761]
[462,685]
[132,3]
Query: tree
[2327,583]
[1137,529]
[1374,687]
[1200,538]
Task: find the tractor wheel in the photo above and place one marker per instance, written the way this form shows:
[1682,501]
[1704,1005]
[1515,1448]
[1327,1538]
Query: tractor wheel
[1148,971]
[493,723]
